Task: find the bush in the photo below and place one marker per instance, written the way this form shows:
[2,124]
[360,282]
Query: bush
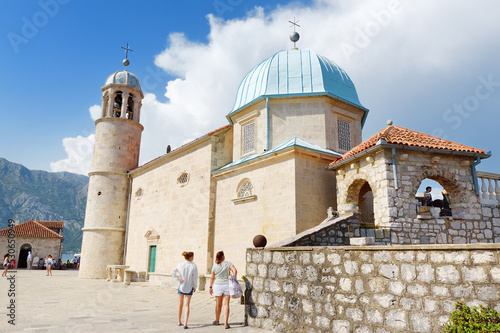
[477,319]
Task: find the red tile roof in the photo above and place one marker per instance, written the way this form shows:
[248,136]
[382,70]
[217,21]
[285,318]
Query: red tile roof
[52,224]
[33,229]
[396,135]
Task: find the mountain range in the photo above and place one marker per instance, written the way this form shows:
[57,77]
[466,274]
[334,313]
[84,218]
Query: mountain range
[44,196]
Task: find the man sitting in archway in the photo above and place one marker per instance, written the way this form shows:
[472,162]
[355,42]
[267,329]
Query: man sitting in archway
[428,190]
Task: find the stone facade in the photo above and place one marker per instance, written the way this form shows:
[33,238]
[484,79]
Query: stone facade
[396,202]
[287,200]
[368,289]
[178,213]
[290,188]
[394,178]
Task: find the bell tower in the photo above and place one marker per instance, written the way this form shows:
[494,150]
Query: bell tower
[116,151]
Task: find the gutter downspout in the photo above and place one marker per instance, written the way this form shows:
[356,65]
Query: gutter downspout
[267,123]
[128,214]
[474,175]
[394,168]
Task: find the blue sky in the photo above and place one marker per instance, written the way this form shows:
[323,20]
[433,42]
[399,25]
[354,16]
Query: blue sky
[431,67]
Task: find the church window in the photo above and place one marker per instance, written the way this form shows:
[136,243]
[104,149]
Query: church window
[248,138]
[117,105]
[183,179]
[344,129]
[245,190]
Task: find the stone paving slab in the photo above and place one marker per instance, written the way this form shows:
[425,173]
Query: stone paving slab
[64,303]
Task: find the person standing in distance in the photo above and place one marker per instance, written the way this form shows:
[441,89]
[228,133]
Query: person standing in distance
[6,264]
[28,260]
[219,286]
[48,263]
[186,274]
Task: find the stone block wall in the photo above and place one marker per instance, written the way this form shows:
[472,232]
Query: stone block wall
[368,289]
[394,193]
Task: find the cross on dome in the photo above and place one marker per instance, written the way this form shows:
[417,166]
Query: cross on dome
[294,36]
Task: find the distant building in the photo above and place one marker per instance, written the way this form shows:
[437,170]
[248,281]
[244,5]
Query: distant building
[40,237]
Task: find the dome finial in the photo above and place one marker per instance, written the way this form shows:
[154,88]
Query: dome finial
[294,36]
[389,122]
[126,62]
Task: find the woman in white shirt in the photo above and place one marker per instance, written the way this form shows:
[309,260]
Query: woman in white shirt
[219,286]
[187,275]
[6,263]
[48,263]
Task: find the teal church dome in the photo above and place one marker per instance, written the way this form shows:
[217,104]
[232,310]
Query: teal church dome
[296,73]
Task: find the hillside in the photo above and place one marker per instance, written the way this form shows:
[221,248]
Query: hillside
[40,195]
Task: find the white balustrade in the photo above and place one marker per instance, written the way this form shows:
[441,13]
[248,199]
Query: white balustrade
[490,188]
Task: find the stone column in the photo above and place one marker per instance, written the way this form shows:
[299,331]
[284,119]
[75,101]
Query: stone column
[111,100]
[137,108]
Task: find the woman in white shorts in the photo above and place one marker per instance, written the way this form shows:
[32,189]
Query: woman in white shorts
[219,286]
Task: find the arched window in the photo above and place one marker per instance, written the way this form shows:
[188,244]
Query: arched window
[432,194]
[365,204]
[245,192]
[117,105]
[246,189]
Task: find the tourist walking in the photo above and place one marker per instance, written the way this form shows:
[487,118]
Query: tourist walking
[6,263]
[186,274]
[48,263]
[219,286]
[28,260]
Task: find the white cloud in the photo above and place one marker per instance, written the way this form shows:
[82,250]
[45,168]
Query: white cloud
[95,112]
[79,152]
[405,59]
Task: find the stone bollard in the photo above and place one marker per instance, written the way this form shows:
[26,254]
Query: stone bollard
[202,280]
[109,269]
[128,276]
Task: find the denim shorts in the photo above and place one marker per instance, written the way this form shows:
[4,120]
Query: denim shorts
[188,294]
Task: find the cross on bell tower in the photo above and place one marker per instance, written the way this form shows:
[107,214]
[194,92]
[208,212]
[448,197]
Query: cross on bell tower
[126,62]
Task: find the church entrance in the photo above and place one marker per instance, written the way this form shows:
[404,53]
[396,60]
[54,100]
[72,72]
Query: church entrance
[152,259]
[23,255]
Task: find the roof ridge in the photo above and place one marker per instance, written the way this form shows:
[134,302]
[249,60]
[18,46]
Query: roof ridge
[50,230]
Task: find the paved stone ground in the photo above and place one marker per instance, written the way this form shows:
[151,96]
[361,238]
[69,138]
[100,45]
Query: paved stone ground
[64,303]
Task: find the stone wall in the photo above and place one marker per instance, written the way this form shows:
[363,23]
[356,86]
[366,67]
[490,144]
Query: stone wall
[394,194]
[40,247]
[368,289]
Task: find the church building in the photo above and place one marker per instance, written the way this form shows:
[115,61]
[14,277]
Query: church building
[265,173]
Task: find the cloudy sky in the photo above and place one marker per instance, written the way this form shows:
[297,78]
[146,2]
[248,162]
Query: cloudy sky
[429,66]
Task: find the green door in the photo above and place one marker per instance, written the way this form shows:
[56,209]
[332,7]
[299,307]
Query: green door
[152,258]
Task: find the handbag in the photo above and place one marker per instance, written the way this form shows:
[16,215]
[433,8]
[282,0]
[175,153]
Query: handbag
[235,290]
